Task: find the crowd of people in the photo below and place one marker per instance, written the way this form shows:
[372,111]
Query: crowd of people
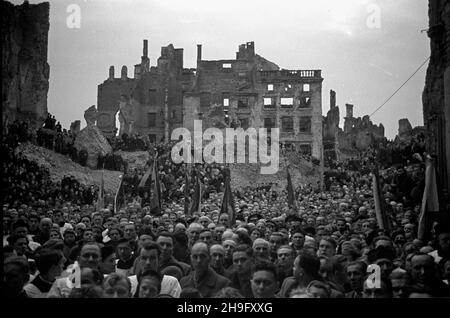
[61,244]
[50,135]
[25,182]
[131,143]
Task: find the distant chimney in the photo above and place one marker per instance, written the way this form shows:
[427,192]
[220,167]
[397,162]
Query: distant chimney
[145,61]
[332,99]
[199,52]
[145,51]
[349,108]
[124,73]
[111,72]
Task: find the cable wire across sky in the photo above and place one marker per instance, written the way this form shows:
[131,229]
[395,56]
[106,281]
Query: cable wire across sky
[390,97]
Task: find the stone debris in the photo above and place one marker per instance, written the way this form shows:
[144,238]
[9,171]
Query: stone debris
[92,140]
[60,166]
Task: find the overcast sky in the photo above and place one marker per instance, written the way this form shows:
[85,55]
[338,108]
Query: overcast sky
[363,58]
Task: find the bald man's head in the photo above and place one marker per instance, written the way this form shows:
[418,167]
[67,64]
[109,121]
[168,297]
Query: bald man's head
[200,257]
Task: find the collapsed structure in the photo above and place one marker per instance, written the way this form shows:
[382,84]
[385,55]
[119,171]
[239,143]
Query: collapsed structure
[248,91]
[358,134]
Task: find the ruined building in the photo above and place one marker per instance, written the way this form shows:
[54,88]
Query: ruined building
[25,71]
[248,91]
[436,95]
[357,136]
[359,132]
[331,130]
[150,103]
[254,92]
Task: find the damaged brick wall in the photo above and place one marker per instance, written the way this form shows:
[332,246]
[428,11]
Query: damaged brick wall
[109,95]
[253,92]
[25,71]
[222,93]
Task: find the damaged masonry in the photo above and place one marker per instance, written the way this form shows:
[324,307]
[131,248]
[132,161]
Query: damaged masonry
[248,91]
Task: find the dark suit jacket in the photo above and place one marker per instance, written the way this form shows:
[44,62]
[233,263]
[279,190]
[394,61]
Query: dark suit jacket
[210,285]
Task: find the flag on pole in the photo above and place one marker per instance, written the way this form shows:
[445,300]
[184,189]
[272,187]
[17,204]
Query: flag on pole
[200,196]
[145,177]
[186,194]
[290,190]
[197,196]
[228,200]
[101,195]
[155,201]
[118,193]
[382,218]
[430,200]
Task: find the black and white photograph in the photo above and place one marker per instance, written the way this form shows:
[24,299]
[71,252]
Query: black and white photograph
[242,150]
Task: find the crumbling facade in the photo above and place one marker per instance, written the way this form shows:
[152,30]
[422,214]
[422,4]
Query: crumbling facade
[406,133]
[251,91]
[358,135]
[150,103]
[248,91]
[331,130]
[25,71]
[436,95]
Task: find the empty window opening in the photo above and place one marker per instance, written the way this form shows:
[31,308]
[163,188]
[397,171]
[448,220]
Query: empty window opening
[270,87]
[287,101]
[244,123]
[306,87]
[226,102]
[287,124]
[305,102]
[289,146]
[151,119]
[269,123]
[226,65]
[287,87]
[152,97]
[306,150]
[305,125]
[267,101]
[227,119]
[242,103]
[205,99]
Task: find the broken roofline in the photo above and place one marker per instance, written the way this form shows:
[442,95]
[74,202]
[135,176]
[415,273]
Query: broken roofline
[246,52]
[313,74]
[283,72]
